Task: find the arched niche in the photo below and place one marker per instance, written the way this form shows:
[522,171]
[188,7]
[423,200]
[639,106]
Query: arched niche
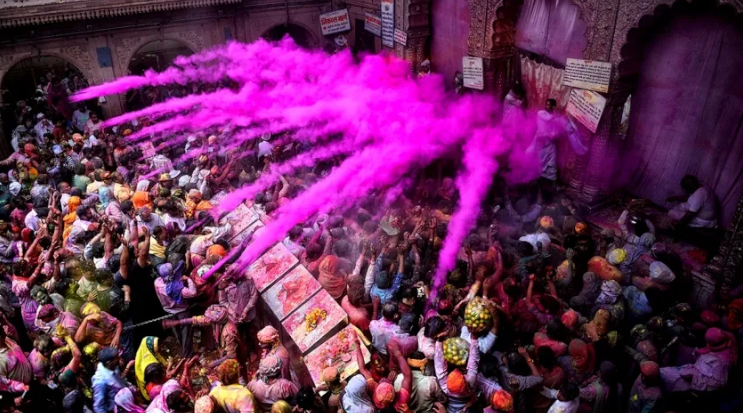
[298,33]
[157,55]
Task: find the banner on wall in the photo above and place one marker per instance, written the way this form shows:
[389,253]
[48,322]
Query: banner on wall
[335,22]
[401,37]
[373,24]
[388,23]
[472,72]
[588,74]
[586,107]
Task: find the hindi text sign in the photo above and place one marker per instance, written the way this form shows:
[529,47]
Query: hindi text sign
[388,23]
[587,74]
[401,37]
[335,22]
[586,107]
[472,72]
[373,24]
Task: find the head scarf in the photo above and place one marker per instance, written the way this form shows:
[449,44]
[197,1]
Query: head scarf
[268,335]
[660,273]
[73,203]
[610,291]
[125,402]
[280,407]
[384,395]
[104,195]
[204,404]
[617,256]
[356,399]
[735,314]
[649,369]
[719,341]
[546,222]
[15,188]
[330,279]
[455,382]
[646,241]
[599,326]
[89,309]
[228,371]
[269,368]
[570,319]
[502,401]
[172,279]
[582,354]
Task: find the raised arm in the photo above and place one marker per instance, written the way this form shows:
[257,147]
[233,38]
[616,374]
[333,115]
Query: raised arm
[402,363]
[124,260]
[360,360]
[144,249]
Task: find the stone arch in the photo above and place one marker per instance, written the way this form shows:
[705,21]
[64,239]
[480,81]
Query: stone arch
[292,29]
[126,48]
[83,65]
[643,13]
[181,46]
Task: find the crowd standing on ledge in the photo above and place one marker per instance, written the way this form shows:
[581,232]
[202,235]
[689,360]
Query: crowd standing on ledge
[102,252]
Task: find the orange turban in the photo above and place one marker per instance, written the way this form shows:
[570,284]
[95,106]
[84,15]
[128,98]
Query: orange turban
[216,249]
[546,222]
[502,401]
[580,228]
[456,383]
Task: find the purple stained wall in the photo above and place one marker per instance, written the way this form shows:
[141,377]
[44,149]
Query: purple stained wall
[450,30]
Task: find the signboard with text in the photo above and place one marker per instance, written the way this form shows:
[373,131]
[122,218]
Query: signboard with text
[335,22]
[472,72]
[587,74]
[401,37]
[388,23]
[373,24]
[586,107]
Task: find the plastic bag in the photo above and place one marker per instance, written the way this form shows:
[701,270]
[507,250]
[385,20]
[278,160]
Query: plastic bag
[456,351]
[477,318]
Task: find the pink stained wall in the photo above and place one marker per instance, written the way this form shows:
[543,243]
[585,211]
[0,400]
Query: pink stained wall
[450,23]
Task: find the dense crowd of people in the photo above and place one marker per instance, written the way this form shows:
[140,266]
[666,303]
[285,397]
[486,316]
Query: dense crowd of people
[102,252]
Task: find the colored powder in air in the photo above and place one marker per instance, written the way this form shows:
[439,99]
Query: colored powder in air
[383,122]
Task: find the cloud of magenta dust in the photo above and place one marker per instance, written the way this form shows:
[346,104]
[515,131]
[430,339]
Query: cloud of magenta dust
[374,114]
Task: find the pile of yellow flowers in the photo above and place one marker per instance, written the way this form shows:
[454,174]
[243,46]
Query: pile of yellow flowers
[314,318]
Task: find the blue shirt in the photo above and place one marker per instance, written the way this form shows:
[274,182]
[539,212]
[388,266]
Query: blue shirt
[106,384]
[387,294]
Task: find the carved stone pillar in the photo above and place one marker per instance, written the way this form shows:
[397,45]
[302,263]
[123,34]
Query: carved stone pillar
[413,16]
[492,37]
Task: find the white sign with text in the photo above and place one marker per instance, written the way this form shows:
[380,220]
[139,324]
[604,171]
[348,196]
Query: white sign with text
[472,72]
[388,23]
[586,107]
[587,74]
[373,24]
[335,22]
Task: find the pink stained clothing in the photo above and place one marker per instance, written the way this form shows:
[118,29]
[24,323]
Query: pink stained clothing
[39,364]
[408,344]
[426,345]
[240,297]
[169,305]
[358,316]
[66,319]
[102,332]
[29,307]
[557,347]
[381,332]
[15,370]
[234,399]
[268,394]
[158,403]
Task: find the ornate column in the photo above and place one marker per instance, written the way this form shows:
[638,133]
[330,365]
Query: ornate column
[413,16]
[492,37]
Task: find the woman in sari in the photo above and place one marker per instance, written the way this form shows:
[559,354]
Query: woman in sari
[125,403]
[147,354]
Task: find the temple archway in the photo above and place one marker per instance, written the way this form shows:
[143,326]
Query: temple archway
[299,34]
[157,55]
[29,80]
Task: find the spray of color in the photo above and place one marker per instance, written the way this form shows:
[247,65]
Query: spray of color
[383,122]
